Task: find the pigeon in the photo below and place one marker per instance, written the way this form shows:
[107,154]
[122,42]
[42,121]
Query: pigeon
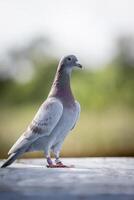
[54,120]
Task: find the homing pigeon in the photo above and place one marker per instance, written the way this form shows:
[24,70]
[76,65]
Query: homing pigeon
[55,118]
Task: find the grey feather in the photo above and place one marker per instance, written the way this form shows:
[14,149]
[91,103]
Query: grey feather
[13,157]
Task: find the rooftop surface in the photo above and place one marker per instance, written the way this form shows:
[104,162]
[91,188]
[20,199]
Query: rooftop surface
[91,178]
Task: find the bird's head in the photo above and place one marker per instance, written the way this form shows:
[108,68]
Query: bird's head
[67,63]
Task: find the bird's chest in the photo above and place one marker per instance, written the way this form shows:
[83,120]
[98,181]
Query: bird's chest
[66,122]
[69,117]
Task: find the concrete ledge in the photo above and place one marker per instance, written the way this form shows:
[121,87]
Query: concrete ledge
[92,178]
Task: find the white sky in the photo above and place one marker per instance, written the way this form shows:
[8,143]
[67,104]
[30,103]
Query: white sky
[86,28]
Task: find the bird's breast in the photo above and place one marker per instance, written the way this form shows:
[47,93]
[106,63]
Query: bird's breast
[65,124]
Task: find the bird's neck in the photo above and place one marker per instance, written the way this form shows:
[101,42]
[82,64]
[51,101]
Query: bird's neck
[61,86]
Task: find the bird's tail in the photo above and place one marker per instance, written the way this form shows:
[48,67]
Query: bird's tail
[11,159]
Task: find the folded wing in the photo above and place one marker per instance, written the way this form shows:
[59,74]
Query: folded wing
[43,123]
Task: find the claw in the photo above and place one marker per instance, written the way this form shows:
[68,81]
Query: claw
[59,165]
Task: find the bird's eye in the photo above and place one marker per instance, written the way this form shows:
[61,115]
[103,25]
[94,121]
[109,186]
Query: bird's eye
[69,58]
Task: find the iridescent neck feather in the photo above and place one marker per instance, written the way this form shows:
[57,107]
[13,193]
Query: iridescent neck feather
[61,86]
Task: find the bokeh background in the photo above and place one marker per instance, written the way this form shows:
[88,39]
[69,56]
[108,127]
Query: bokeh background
[34,35]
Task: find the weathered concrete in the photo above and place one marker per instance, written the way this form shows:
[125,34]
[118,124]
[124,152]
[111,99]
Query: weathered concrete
[92,178]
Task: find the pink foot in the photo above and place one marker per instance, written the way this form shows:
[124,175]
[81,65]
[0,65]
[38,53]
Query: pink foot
[59,165]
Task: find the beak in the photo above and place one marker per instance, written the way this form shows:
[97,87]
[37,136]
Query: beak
[78,65]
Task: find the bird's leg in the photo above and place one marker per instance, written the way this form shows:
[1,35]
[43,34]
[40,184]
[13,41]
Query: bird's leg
[56,151]
[49,161]
[58,163]
[57,159]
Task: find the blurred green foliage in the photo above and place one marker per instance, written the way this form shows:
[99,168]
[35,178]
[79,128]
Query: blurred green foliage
[111,84]
[94,89]
[106,96]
